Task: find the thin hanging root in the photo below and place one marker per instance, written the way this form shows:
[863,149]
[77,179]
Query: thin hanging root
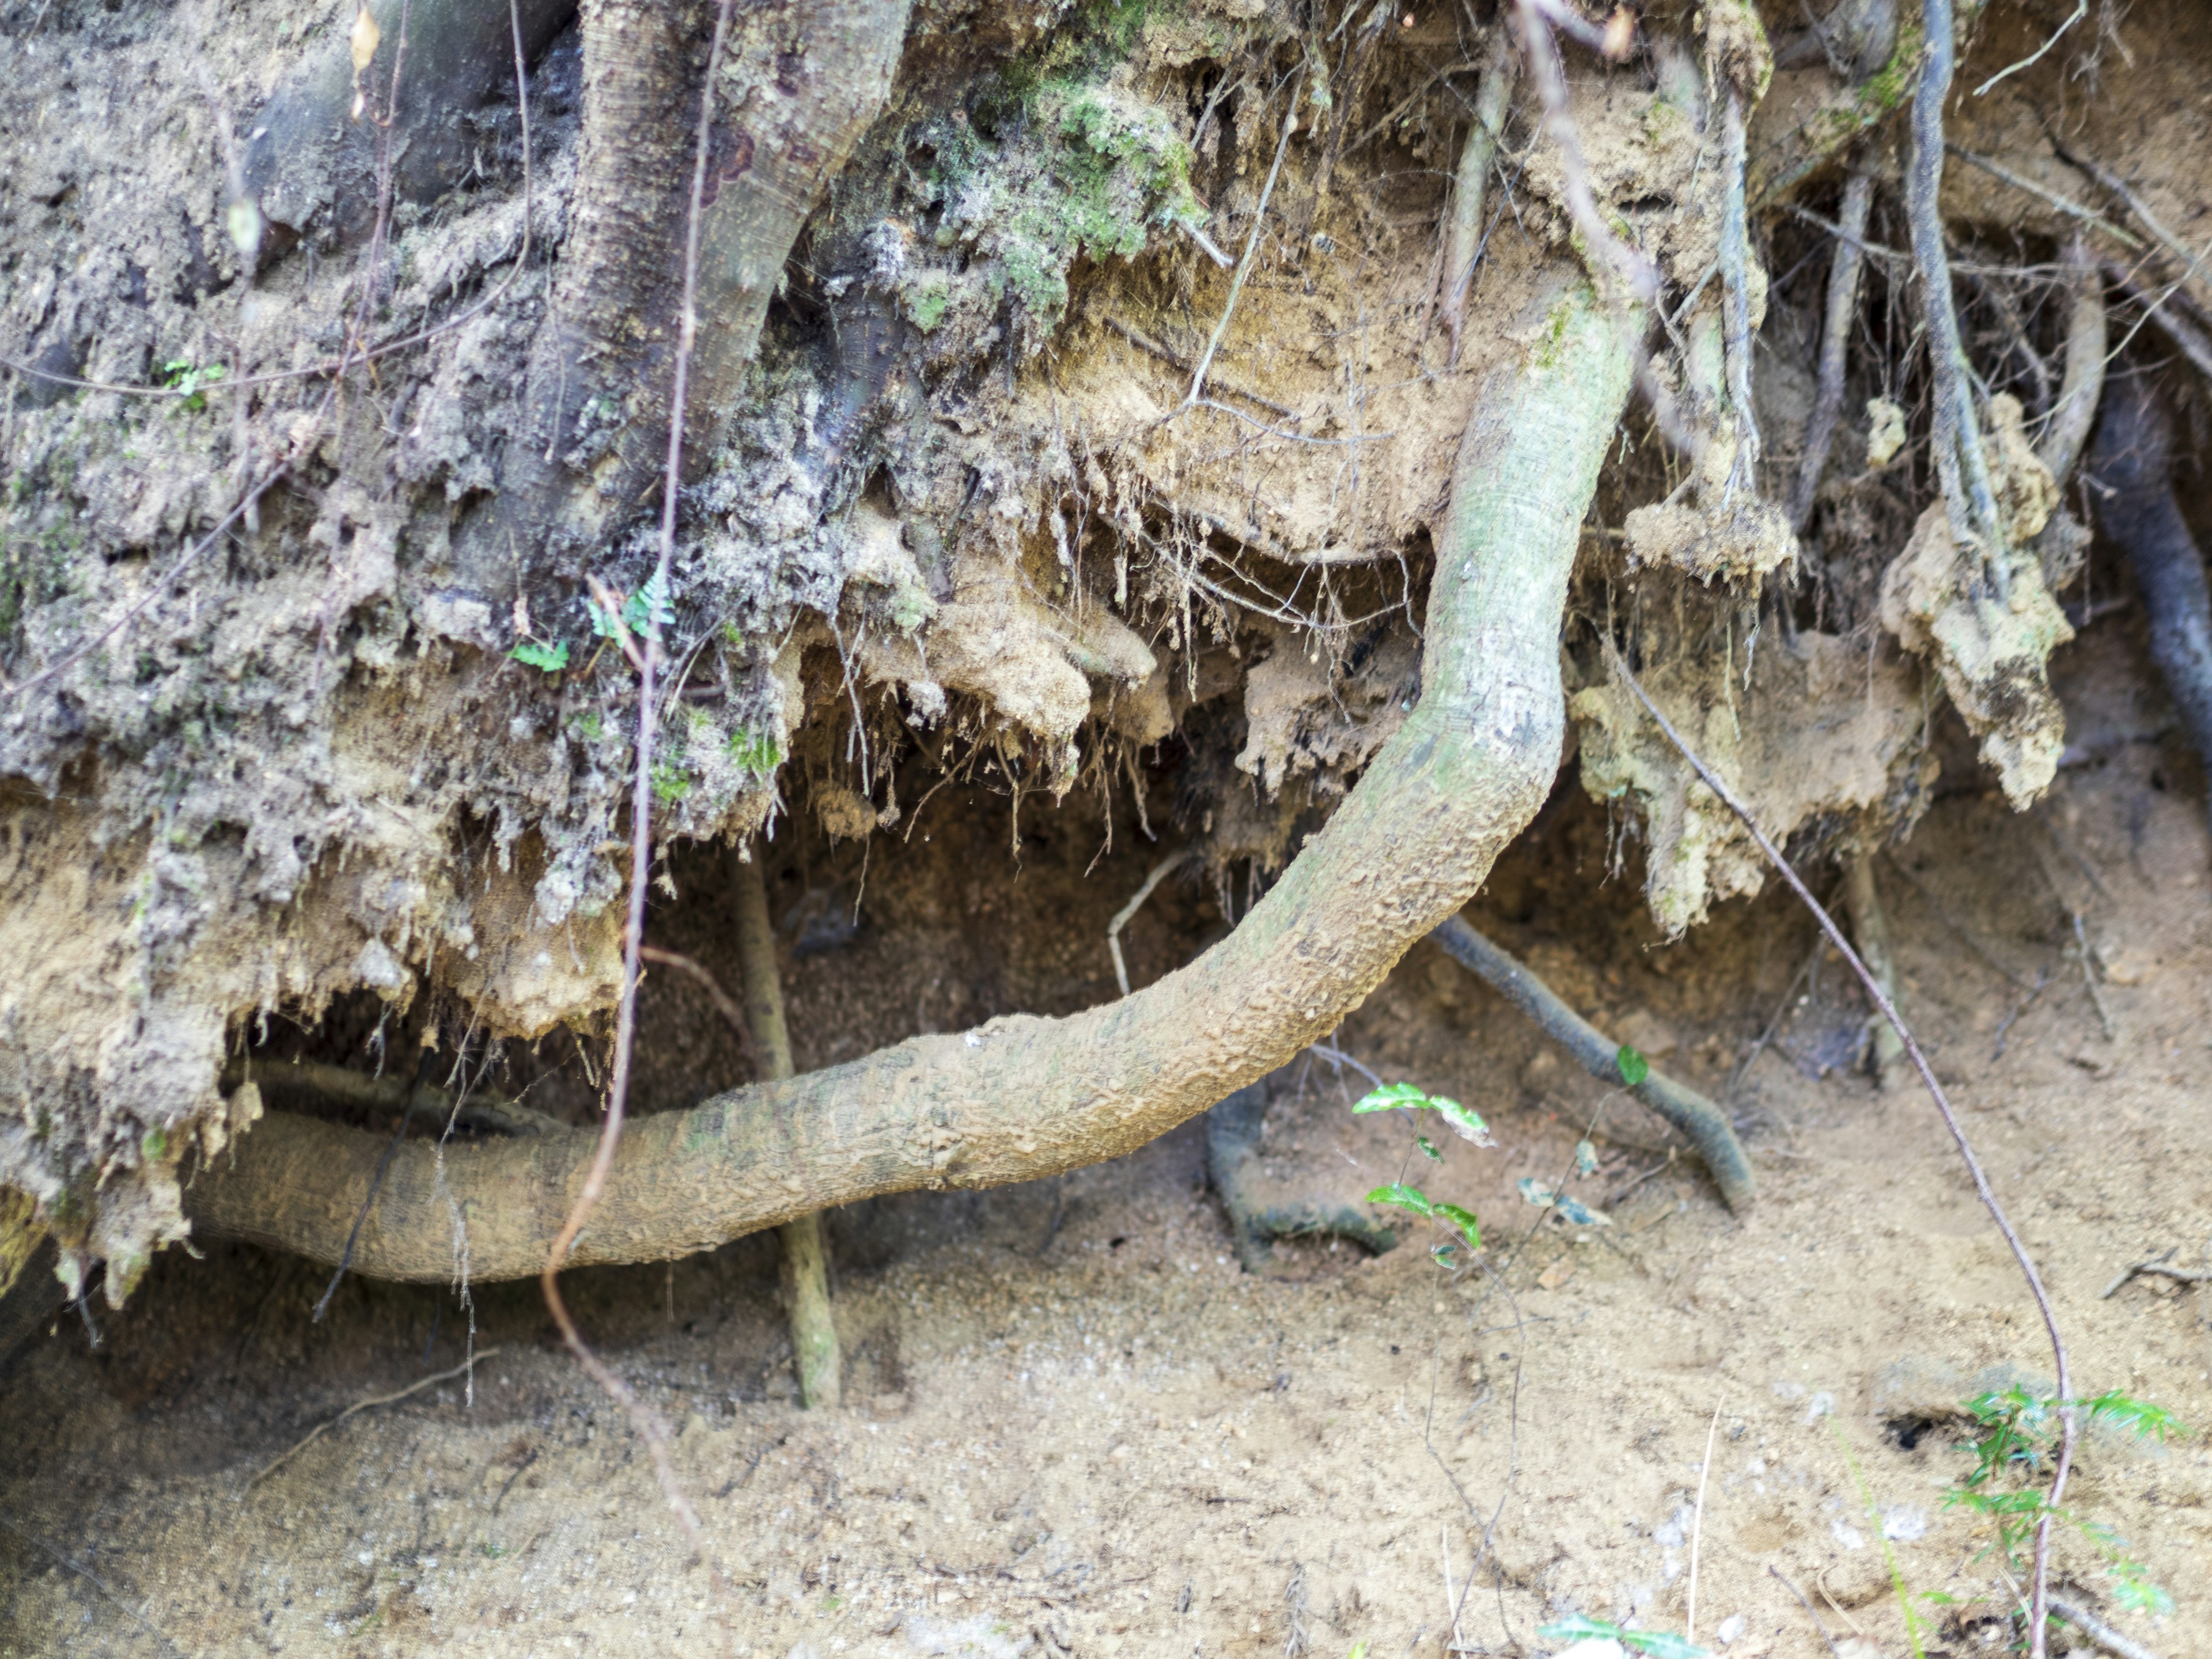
[1960,464]
[1704,1124]
[1736,289]
[1870,927]
[1463,241]
[1023,1098]
[1122,916]
[2068,1424]
[1835,341]
[805,1252]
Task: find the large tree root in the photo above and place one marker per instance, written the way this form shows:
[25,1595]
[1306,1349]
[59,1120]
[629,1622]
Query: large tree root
[2133,465]
[1705,1123]
[1023,1098]
[593,433]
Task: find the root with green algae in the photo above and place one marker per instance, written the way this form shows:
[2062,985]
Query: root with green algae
[1022,1097]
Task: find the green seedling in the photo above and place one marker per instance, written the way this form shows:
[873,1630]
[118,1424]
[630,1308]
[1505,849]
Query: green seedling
[1659,1644]
[651,604]
[1466,1125]
[1394,1096]
[183,374]
[534,654]
[2015,1434]
[1634,1068]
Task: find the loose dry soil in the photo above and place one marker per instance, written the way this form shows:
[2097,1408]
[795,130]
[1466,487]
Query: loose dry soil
[1075,1427]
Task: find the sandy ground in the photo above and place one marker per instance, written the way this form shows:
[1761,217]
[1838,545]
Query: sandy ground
[1076,1427]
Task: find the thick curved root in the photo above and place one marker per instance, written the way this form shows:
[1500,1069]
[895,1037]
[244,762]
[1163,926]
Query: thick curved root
[1023,1098]
[1705,1123]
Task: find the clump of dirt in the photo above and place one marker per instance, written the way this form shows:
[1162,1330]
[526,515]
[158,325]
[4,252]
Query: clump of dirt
[1816,730]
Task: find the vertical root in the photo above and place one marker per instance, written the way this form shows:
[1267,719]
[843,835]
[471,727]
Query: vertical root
[805,1252]
[1835,340]
[1870,927]
[1960,464]
[1463,239]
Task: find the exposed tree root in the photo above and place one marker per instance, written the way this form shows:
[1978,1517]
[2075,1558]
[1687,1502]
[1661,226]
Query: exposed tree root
[1835,340]
[1961,466]
[1870,927]
[1705,1123]
[1023,1098]
[1232,1142]
[805,1251]
[2133,464]
[1463,239]
[589,442]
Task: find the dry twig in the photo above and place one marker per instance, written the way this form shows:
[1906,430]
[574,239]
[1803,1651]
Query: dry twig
[374,1400]
[1122,917]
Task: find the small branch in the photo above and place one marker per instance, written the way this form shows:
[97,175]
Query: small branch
[2089,978]
[1244,265]
[2080,10]
[2065,204]
[415,1387]
[2068,1425]
[724,1004]
[1835,340]
[2163,1269]
[2098,1631]
[1122,917]
[2172,244]
[1169,355]
[2185,336]
[2083,383]
[1705,1125]
[1808,1606]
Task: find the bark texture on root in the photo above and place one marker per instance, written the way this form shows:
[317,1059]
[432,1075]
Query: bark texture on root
[1022,1097]
[589,448]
